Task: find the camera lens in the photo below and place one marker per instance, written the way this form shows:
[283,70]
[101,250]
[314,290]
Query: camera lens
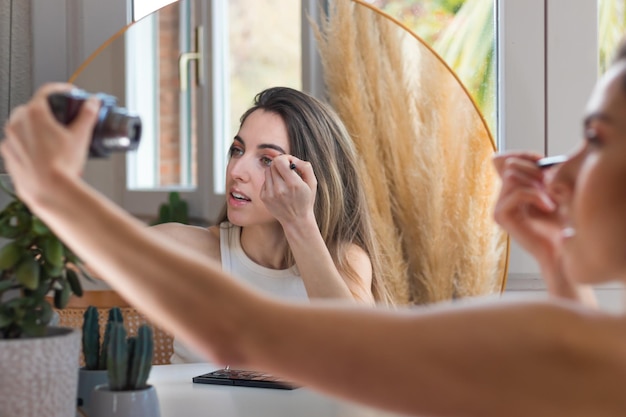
[115,130]
[118,131]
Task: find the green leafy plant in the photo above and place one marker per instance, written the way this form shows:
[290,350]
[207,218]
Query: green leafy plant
[94,352]
[129,360]
[175,210]
[33,263]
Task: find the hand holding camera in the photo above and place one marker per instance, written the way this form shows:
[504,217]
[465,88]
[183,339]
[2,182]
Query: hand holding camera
[115,130]
[37,151]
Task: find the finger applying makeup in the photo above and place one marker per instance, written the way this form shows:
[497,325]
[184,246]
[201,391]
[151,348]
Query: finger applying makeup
[294,168]
[287,164]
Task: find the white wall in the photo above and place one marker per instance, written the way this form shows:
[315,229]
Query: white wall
[66,32]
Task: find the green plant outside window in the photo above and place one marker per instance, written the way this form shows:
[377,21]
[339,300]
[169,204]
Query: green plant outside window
[462,32]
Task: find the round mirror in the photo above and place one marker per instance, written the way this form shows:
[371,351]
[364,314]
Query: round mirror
[425,147]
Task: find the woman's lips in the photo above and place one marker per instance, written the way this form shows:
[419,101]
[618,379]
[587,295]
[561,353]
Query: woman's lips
[239,196]
[237,199]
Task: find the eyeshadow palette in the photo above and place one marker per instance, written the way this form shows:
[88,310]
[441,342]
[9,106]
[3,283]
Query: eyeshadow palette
[243,378]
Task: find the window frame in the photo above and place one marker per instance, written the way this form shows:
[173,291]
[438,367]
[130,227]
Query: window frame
[538,108]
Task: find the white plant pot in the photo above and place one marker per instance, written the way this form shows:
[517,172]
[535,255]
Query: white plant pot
[87,381]
[140,403]
[38,375]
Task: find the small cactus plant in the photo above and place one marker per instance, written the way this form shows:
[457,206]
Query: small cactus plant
[129,359]
[176,210]
[95,353]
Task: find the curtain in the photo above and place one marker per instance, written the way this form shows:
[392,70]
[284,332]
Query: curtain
[15,55]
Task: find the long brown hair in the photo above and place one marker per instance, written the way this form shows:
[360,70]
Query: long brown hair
[317,135]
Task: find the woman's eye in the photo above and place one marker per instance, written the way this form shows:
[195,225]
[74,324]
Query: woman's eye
[235,151]
[266,161]
[592,137]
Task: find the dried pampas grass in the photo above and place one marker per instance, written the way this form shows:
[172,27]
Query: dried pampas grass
[426,155]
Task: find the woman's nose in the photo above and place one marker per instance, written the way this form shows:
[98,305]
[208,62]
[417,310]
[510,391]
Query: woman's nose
[237,169]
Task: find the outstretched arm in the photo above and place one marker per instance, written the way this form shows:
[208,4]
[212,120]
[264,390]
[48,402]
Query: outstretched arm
[488,360]
[512,360]
[520,360]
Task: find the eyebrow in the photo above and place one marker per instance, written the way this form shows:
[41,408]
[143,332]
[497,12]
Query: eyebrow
[263,145]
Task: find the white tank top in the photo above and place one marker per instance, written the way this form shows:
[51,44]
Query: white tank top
[282,283]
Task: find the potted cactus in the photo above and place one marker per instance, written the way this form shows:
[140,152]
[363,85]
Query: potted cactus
[94,372]
[175,210]
[129,363]
[34,263]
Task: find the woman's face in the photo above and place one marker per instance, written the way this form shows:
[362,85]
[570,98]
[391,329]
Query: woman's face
[591,188]
[262,137]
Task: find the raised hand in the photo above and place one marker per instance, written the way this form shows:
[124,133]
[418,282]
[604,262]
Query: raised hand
[526,210]
[37,147]
[289,190]
[524,207]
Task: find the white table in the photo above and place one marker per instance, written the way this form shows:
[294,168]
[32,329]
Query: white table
[180,397]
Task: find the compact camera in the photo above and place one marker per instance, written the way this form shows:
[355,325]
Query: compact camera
[115,130]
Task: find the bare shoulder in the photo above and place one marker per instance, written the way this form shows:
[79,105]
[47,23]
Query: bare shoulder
[360,261]
[200,239]
[357,256]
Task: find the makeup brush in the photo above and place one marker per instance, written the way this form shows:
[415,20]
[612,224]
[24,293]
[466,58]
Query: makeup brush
[549,161]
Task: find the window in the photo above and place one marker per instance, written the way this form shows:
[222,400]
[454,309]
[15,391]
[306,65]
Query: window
[160,92]
[203,62]
[264,50]
[611,26]
[544,76]
[462,32]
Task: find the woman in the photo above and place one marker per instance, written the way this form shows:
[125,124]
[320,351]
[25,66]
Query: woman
[295,223]
[554,358]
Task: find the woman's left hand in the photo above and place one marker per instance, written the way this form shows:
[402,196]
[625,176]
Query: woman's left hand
[289,190]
